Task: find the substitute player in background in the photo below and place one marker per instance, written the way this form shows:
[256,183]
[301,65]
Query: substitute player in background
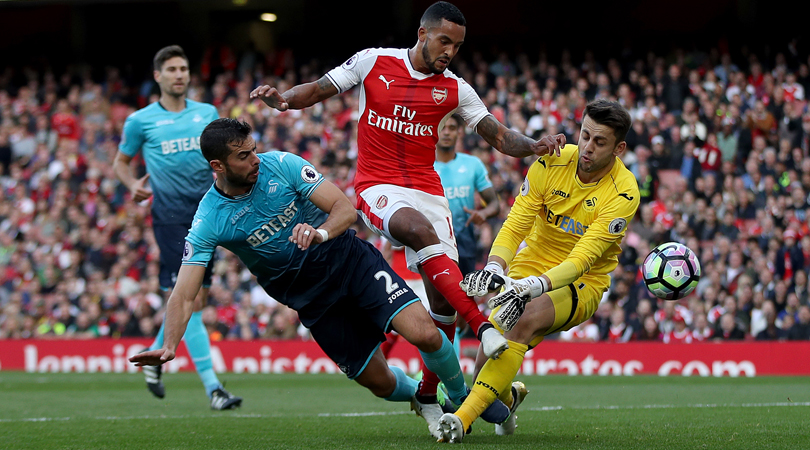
[572,212]
[405,95]
[462,177]
[291,229]
[168,134]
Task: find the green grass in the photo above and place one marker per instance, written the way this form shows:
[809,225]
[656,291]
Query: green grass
[114,411]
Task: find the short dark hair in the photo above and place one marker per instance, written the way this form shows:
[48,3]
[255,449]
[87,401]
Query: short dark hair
[167,53]
[442,10]
[219,134]
[459,120]
[611,114]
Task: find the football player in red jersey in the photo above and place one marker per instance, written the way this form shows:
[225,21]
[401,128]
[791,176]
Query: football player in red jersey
[406,94]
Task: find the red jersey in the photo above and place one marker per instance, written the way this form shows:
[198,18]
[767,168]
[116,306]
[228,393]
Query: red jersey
[619,333]
[702,335]
[401,112]
[66,125]
[710,157]
[678,337]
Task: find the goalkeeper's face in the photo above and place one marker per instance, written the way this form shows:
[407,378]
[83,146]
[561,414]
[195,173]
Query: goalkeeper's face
[597,148]
[173,77]
[242,165]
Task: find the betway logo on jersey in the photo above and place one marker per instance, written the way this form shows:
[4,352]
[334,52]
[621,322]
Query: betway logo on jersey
[180,145]
[273,226]
[564,223]
[400,123]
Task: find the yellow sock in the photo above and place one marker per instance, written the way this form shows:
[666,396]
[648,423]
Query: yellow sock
[494,379]
[506,396]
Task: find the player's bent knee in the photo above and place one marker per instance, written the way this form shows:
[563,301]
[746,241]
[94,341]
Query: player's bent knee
[427,338]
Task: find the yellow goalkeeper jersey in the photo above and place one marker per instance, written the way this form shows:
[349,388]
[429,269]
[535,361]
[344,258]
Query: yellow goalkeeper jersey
[565,220]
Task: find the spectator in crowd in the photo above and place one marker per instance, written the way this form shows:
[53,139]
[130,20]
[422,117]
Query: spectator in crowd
[680,333]
[650,332]
[728,330]
[619,330]
[585,332]
[800,331]
[701,331]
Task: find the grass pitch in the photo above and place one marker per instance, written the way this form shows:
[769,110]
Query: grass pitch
[115,411]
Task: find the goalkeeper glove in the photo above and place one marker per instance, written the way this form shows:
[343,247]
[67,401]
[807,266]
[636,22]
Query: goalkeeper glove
[481,282]
[513,300]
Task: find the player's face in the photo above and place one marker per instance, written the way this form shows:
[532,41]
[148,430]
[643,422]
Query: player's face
[242,165]
[597,149]
[173,77]
[440,44]
[448,135]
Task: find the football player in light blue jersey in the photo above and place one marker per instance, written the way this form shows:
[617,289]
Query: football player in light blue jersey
[291,229]
[167,134]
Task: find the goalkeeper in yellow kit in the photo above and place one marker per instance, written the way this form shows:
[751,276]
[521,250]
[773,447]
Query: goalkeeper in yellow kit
[572,212]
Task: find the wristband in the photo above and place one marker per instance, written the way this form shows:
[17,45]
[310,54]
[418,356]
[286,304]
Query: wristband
[324,234]
[537,285]
[494,267]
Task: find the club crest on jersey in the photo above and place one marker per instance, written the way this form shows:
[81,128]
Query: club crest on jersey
[309,174]
[271,187]
[439,95]
[382,202]
[589,204]
[197,118]
[617,225]
[188,251]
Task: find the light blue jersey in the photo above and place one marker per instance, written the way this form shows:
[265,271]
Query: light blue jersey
[256,226]
[170,143]
[462,177]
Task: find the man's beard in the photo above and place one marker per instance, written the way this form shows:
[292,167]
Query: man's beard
[237,180]
[431,64]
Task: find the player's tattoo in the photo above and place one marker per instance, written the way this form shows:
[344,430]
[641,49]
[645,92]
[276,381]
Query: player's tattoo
[305,95]
[324,83]
[509,142]
[488,129]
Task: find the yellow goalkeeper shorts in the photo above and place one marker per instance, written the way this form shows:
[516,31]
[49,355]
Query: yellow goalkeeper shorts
[573,304]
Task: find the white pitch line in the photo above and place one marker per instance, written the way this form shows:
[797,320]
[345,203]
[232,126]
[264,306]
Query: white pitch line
[365,414]
[699,405]
[399,413]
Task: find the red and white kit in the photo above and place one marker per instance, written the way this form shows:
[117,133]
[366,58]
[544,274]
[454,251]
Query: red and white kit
[401,111]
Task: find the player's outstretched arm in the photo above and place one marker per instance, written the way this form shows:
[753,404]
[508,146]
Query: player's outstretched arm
[331,200]
[299,97]
[512,143]
[178,312]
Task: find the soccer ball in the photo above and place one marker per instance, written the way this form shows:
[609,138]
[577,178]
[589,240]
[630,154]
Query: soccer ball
[671,271]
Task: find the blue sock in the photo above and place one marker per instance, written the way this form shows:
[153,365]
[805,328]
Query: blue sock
[444,363]
[457,343]
[199,348]
[406,386]
[158,343]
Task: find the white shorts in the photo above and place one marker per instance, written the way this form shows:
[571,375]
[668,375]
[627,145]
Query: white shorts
[378,203]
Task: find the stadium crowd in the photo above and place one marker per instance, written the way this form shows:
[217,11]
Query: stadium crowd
[719,147]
